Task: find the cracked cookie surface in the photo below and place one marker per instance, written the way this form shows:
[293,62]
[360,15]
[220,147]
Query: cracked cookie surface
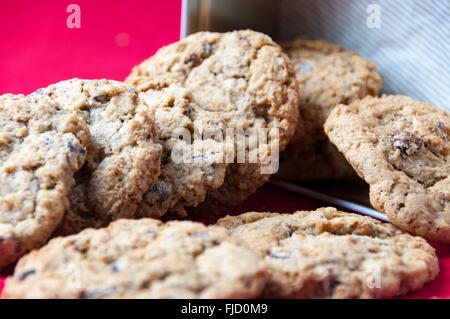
[41,147]
[245,79]
[401,148]
[123,155]
[327,75]
[331,254]
[140,259]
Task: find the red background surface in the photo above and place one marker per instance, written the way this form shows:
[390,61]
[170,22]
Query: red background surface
[38,49]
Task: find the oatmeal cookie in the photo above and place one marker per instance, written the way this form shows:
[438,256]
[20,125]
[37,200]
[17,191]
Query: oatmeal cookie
[41,147]
[123,158]
[327,75]
[245,79]
[140,259]
[331,254]
[401,148]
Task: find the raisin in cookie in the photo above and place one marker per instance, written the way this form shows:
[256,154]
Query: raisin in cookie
[193,155]
[331,254]
[401,148]
[245,79]
[123,156]
[140,259]
[41,146]
[327,75]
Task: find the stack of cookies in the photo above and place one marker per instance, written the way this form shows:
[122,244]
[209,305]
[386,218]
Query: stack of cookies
[94,163]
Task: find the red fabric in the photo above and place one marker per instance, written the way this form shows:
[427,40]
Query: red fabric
[38,49]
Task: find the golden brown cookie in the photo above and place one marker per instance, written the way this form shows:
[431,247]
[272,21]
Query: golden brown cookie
[123,158]
[331,254]
[41,147]
[140,259]
[327,75]
[245,79]
[401,148]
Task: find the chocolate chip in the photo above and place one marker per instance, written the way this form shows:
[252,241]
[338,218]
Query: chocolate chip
[192,59]
[407,143]
[165,158]
[345,100]
[102,99]
[161,191]
[195,60]
[261,111]
[75,148]
[26,274]
[75,245]
[290,229]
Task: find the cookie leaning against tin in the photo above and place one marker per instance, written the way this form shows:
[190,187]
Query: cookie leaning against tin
[401,148]
[140,259]
[123,156]
[331,254]
[327,75]
[41,146]
[191,166]
[245,79]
